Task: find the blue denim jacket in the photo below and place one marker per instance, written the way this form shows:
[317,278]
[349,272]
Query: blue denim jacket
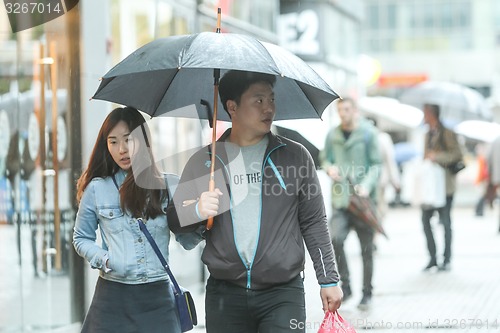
[130,256]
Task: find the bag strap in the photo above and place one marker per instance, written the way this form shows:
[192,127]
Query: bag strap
[164,263]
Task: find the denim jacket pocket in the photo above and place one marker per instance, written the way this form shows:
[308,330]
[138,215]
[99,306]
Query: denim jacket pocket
[111,219]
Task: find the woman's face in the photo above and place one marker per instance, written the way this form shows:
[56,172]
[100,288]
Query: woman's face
[118,145]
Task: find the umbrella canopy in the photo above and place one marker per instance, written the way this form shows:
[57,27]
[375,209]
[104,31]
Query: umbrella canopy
[480,130]
[392,110]
[457,102]
[174,72]
[366,211]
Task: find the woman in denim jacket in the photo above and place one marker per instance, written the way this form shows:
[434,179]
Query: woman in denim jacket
[133,292]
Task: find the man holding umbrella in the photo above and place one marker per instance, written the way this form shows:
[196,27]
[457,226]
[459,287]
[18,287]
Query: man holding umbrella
[266,203]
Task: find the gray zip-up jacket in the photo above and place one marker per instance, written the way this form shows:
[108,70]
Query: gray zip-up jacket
[292,212]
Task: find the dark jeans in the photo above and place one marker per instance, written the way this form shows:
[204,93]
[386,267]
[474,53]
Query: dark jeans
[445,220]
[341,224]
[233,309]
[480,206]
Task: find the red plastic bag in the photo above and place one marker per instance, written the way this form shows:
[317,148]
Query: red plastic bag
[334,323]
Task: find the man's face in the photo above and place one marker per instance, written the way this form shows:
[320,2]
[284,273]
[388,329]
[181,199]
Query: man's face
[347,113]
[256,110]
[429,116]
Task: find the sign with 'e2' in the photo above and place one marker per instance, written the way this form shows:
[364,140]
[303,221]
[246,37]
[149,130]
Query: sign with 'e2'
[26,14]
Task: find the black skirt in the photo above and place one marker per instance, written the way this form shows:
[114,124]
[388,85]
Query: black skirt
[125,308]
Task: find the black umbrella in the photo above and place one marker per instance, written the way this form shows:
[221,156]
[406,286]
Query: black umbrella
[174,73]
[365,209]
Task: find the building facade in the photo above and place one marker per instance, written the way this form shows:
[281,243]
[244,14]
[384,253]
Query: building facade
[440,40]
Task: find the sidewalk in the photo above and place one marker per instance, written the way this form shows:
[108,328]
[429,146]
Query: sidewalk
[406,299]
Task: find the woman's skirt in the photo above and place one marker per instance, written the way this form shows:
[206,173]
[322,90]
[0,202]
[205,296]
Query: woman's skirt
[125,308]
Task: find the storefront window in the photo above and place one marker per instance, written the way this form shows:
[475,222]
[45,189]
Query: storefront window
[36,214]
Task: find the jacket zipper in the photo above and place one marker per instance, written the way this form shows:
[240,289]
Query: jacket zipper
[280,179]
[248,266]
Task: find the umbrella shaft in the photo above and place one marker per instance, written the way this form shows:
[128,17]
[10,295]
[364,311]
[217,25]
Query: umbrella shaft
[211,183]
[217,29]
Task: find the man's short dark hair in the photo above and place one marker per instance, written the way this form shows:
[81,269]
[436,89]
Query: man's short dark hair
[234,83]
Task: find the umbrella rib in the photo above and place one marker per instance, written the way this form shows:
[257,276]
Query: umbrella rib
[270,56]
[299,84]
[164,94]
[185,48]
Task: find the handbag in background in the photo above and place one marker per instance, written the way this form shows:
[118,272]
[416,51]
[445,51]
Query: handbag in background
[183,299]
[456,167]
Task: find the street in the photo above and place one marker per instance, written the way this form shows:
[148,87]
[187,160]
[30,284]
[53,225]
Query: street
[406,299]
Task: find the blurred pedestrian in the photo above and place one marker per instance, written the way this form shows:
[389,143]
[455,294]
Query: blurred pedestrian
[133,292]
[389,173]
[351,154]
[494,172]
[442,147]
[482,177]
[267,201]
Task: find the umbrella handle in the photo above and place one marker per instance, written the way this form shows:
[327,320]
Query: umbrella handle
[211,187]
[217,28]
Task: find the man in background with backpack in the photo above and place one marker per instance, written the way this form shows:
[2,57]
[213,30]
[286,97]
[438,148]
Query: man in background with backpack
[351,158]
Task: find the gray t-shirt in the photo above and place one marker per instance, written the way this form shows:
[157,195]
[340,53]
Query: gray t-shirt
[245,170]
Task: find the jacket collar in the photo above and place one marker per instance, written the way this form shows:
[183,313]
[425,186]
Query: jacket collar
[274,140]
[120,176]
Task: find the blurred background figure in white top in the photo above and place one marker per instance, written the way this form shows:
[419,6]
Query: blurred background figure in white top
[390,175]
